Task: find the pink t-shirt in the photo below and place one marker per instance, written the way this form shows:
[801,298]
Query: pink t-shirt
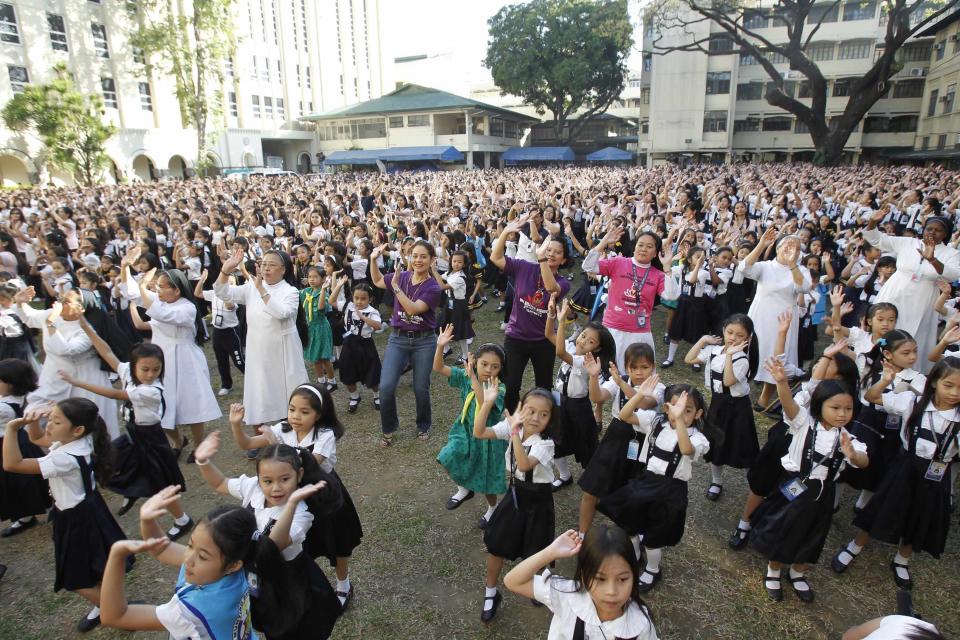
[623,303]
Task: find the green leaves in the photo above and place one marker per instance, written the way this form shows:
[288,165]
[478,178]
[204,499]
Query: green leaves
[561,55]
[68,123]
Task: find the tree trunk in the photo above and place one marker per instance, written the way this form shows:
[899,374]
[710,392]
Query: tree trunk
[829,149]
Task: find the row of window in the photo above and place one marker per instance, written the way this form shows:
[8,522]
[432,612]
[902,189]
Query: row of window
[377,127]
[910,88]
[941,142]
[20,77]
[56,28]
[268,107]
[718,122]
[944,101]
[821,51]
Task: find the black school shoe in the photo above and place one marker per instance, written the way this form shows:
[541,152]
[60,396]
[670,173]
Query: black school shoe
[643,587]
[176,531]
[18,527]
[559,484]
[774,593]
[488,614]
[347,597]
[453,503]
[907,584]
[804,595]
[88,624]
[738,539]
[126,505]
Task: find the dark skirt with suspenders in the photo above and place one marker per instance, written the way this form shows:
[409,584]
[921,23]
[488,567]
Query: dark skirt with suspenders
[617,458]
[579,431]
[733,417]
[652,504]
[144,462]
[335,535]
[524,521]
[690,322]
[21,494]
[740,295]
[580,632]
[793,530]
[764,473]
[870,428]
[912,504]
[82,537]
[21,347]
[458,314]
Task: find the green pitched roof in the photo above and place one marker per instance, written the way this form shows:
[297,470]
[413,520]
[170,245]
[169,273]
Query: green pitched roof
[413,97]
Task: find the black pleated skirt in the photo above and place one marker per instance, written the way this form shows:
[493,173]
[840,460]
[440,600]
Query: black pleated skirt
[523,523]
[909,509]
[690,321]
[807,342]
[651,504]
[337,535]
[144,462]
[583,298]
[733,418]
[579,432]
[21,494]
[870,429]
[322,607]
[609,468]
[359,362]
[717,312]
[459,316]
[738,297]
[82,537]
[335,318]
[793,532]
[764,473]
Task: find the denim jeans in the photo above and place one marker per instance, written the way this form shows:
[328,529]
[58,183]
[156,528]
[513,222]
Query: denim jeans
[400,352]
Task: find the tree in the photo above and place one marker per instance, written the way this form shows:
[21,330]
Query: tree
[561,56]
[68,123]
[192,46]
[675,24]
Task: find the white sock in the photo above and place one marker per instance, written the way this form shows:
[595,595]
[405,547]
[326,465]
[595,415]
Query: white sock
[336,352]
[716,474]
[864,498]
[773,578]
[464,349]
[653,564]
[182,520]
[461,493]
[744,525]
[93,613]
[672,352]
[636,540]
[489,512]
[343,586]
[799,586]
[848,553]
[354,395]
[899,559]
[322,379]
[488,594]
[562,468]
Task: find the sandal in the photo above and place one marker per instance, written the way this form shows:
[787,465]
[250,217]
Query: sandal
[423,435]
[386,440]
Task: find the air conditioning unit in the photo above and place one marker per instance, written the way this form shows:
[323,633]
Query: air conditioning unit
[688,141]
[938,46]
[790,75]
[918,73]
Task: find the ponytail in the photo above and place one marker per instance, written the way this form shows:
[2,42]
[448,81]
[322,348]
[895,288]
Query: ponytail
[82,412]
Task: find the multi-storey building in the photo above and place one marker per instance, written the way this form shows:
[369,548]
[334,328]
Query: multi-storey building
[697,107]
[293,58]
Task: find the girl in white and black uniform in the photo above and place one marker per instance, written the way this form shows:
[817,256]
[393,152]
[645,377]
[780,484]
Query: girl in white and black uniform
[359,359]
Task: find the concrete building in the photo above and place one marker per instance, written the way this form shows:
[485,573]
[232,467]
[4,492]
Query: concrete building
[294,57]
[697,107]
[414,116]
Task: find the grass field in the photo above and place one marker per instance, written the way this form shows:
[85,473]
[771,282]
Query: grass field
[419,572]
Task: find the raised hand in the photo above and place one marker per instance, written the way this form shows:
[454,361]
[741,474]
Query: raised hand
[56,310]
[307,490]
[740,346]
[234,261]
[846,444]
[649,386]
[591,364]
[491,389]
[66,377]
[25,295]
[951,335]
[567,545]
[446,336]
[889,372]
[836,296]
[208,448]
[784,320]
[846,308]
[677,409]
[776,369]
[237,413]
[711,340]
[158,504]
[926,250]
[268,433]
[133,547]
[835,348]
[564,308]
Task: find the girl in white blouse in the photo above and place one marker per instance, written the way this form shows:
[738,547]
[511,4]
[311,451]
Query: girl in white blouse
[603,602]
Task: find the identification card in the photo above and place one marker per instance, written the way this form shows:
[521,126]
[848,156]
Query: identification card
[641,320]
[791,490]
[717,386]
[633,450]
[936,471]
[556,397]
[218,320]
[806,322]
[450,303]
[893,423]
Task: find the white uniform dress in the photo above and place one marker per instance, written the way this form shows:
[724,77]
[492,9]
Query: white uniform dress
[274,351]
[913,288]
[186,376]
[776,293]
[69,349]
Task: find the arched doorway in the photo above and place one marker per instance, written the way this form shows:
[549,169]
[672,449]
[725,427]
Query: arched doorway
[177,167]
[111,173]
[213,168]
[303,163]
[249,160]
[143,169]
[13,171]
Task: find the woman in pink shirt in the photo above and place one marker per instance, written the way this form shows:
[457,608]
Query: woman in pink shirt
[634,284]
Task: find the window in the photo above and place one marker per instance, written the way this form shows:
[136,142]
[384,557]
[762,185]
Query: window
[857,10]
[396,122]
[645,96]
[58,32]
[720,43]
[754,20]
[855,49]
[510,129]
[714,121]
[803,89]
[948,98]
[133,7]
[828,12]
[418,121]
[265,70]
[9,32]
[18,78]
[281,109]
[775,57]
[751,91]
[279,72]
[478,126]
[801,127]
[647,62]
[841,88]
[146,100]
[100,39]
[819,51]
[908,89]
[789,87]
[718,82]
[777,123]
[932,106]
[925,144]
[942,141]
[268,106]
[904,124]
[746,59]
[309,77]
[496,127]
[109,93]
[256,106]
[138,56]
[750,124]
[228,68]
[914,53]
[940,48]
[645,127]
[232,100]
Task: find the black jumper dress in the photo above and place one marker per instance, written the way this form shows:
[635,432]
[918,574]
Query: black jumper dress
[610,467]
[579,431]
[21,494]
[337,534]
[733,417]
[524,521]
[144,462]
[690,322]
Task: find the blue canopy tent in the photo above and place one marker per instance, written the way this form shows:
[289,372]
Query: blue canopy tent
[520,155]
[395,154]
[609,154]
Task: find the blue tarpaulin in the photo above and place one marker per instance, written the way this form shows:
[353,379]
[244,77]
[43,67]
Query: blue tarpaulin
[513,155]
[609,154]
[395,154]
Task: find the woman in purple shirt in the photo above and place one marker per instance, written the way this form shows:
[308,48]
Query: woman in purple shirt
[533,284]
[412,338]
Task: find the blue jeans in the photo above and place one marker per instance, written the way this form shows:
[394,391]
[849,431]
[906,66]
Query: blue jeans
[400,352]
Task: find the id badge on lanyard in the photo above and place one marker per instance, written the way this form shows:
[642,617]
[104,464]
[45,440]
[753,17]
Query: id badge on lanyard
[792,489]
[936,470]
[641,312]
[633,450]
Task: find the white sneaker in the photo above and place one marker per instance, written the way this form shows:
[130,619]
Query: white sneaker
[223,392]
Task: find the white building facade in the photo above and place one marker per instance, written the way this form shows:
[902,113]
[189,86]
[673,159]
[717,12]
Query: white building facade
[293,58]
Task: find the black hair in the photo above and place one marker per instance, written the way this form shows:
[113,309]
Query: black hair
[278,604]
[322,404]
[606,350]
[847,371]
[942,369]
[562,240]
[890,341]
[553,426]
[324,502]
[872,311]
[426,245]
[826,390]
[753,353]
[495,349]
[145,350]
[639,351]
[658,243]
[82,412]
[21,377]
[363,286]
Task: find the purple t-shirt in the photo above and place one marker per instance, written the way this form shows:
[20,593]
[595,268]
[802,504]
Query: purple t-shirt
[428,291]
[528,318]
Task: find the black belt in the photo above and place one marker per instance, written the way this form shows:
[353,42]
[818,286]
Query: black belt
[412,335]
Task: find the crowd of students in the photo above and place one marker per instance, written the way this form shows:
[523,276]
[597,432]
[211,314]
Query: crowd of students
[752,264]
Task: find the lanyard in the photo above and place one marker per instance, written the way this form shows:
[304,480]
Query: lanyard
[812,448]
[948,436]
